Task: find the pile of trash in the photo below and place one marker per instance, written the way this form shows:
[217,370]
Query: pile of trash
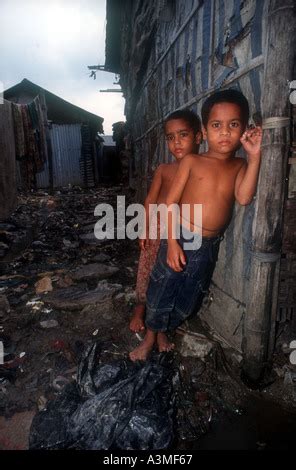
[117,405]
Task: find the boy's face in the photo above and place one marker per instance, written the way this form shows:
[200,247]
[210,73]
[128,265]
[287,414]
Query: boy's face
[224,128]
[180,138]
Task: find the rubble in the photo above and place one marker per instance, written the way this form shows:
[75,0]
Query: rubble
[4,306]
[65,281]
[93,271]
[69,244]
[42,401]
[130,295]
[107,287]
[49,324]
[44,285]
[77,302]
[196,347]
[74,298]
[120,296]
[90,239]
[101,258]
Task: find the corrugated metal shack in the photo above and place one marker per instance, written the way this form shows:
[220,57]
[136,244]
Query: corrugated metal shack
[70,133]
[173,54]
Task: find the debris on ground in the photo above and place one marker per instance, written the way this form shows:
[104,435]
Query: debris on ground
[61,288]
[44,285]
[121,404]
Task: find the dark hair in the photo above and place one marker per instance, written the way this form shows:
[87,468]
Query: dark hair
[225,96]
[188,116]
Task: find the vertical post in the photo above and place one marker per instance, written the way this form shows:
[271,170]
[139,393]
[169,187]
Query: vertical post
[1,353]
[48,140]
[267,227]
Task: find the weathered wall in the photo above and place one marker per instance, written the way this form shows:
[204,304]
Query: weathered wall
[174,54]
[66,153]
[7,161]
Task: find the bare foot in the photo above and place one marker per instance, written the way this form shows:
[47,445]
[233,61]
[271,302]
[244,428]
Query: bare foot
[142,352]
[164,345]
[137,320]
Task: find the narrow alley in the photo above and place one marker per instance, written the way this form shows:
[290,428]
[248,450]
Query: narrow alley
[112,108]
[62,291]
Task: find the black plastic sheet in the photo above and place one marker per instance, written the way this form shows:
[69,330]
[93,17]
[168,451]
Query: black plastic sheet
[116,405]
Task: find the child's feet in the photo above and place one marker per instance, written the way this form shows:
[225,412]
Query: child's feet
[137,321]
[142,352]
[164,345]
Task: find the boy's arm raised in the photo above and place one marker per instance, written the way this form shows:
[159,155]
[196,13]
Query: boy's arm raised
[175,255]
[246,180]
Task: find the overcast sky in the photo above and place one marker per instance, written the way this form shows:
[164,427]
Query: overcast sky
[51,42]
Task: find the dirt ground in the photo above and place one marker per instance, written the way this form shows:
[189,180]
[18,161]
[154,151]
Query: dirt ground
[61,289]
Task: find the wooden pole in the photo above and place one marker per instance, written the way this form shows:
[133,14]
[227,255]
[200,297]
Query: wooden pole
[48,140]
[259,322]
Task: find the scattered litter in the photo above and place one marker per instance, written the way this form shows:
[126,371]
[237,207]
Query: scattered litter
[192,346]
[60,383]
[120,296]
[49,324]
[130,297]
[69,244]
[107,286]
[42,401]
[94,271]
[65,281]
[4,305]
[102,258]
[58,345]
[74,298]
[44,285]
[36,304]
[290,377]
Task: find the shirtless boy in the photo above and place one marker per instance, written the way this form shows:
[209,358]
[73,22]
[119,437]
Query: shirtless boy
[216,180]
[183,135]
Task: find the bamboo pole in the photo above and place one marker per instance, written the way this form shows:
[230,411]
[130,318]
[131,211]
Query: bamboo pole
[259,323]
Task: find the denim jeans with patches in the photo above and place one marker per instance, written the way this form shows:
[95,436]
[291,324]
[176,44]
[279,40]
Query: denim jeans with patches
[173,296]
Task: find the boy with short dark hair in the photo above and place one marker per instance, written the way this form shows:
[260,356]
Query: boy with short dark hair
[183,134]
[215,180]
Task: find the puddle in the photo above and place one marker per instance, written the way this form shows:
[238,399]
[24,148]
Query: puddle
[263,426]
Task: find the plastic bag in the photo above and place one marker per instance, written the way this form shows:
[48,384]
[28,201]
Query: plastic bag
[117,405]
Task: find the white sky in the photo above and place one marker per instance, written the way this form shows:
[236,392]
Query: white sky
[51,42]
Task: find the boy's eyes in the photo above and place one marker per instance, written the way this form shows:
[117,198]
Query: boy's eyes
[233,124]
[182,135]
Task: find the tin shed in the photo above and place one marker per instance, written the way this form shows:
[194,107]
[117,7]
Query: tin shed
[71,133]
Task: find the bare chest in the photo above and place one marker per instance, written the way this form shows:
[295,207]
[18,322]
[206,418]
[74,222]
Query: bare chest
[215,177]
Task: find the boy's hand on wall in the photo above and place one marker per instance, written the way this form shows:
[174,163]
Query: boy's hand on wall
[175,256]
[251,142]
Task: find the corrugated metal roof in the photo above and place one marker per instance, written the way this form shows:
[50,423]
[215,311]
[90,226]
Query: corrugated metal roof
[108,140]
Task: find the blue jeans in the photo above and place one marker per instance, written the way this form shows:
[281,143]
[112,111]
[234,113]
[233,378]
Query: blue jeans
[173,296]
